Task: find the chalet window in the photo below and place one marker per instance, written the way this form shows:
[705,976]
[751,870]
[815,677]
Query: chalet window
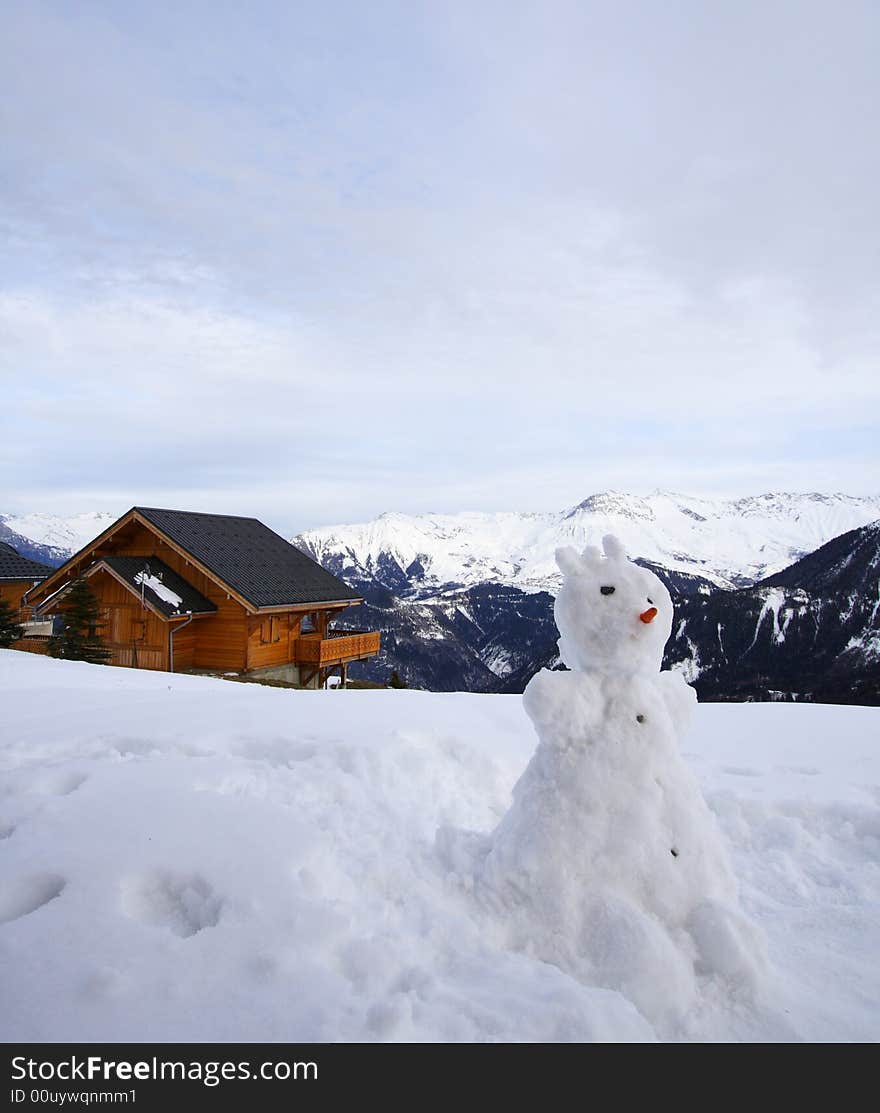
[308,624]
[270,631]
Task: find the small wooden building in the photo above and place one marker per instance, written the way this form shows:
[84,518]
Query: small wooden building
[18,575]
[211,593]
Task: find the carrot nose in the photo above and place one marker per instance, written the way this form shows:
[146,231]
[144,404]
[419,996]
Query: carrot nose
[649,615]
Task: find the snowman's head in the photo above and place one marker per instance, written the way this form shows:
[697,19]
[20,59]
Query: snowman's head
[613,615]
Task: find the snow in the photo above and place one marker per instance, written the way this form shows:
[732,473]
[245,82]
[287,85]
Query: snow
[498,660]
[72,532]
[185,858]
[158,588]
[720,540]
[866,644]
[774,600]
[690,667]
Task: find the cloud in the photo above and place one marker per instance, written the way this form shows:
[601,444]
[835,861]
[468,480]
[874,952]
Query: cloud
[371,258]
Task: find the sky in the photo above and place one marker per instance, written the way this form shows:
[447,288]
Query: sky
[315,261]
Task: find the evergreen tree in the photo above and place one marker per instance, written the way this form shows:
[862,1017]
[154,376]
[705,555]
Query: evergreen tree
[10,629]
[80,639]
[395,681]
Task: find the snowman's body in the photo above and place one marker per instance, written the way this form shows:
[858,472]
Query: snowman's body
[609,862]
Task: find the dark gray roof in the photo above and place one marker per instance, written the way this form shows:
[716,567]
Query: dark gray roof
[259,565]
[15,567]
[131,569]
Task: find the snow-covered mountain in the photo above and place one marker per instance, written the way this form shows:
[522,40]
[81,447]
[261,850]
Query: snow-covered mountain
[65,534]
[33,550]
[811,631]
[728,542]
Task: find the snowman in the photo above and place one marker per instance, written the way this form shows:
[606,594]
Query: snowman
[609,863]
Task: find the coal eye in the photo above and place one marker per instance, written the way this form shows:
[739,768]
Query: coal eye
[607,590]
[651,601]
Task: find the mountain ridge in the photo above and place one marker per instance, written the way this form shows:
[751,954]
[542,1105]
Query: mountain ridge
[729,542]
[811,631]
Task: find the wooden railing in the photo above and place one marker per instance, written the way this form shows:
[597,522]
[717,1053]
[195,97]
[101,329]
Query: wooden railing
[312,649]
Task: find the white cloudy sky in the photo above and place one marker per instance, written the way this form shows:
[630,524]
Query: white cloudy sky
[313,261]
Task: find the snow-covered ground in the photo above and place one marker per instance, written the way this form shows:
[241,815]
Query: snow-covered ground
[192,859]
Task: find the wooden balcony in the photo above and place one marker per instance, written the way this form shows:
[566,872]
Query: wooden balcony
[346,645]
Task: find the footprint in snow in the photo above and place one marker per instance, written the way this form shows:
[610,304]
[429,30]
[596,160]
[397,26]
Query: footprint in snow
[740,771]
[26,894]
[184,903]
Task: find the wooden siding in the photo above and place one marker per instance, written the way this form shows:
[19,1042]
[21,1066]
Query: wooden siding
[221,639]
[11,591]
[135,636]
[32,645]
[270,639]
[185,644]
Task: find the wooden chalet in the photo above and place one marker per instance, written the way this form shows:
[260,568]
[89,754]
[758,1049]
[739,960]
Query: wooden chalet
[18,575]
[211,593]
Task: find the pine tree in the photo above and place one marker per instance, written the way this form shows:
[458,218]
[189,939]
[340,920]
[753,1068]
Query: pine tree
[10,629]
[80,639]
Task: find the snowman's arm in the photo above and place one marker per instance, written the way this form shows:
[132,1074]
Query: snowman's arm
[564,706]
[679,697]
